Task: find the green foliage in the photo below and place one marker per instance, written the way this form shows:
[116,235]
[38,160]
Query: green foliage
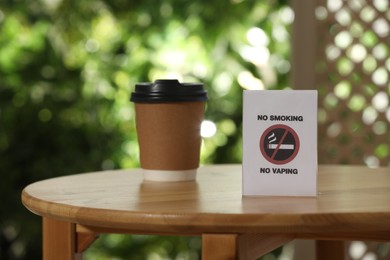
[66,72]
[145,247]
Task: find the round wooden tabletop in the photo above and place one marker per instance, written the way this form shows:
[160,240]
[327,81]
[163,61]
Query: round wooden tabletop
[350,199]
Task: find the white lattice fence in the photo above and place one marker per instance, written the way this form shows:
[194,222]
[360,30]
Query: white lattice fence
[342,48]
[358,250]
[354,81]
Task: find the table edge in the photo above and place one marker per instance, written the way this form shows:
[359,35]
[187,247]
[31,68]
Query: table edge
[212,222]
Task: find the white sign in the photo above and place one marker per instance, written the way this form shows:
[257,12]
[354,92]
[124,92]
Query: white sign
[280,143]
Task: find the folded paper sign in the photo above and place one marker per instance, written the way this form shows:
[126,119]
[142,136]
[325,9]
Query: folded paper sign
[280,143]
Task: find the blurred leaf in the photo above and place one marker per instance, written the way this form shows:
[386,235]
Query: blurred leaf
[66,72]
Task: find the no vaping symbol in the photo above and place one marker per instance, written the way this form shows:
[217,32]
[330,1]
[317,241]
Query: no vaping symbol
[279,144]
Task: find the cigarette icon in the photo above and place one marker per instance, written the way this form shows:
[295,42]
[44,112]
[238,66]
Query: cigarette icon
[272,139]
[281,147]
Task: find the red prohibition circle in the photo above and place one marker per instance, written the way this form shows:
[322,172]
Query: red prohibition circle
[275,155]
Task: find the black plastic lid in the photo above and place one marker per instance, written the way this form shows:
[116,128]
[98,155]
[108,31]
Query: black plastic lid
[168,90]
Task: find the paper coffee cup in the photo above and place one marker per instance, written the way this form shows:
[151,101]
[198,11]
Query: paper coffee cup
[168,120]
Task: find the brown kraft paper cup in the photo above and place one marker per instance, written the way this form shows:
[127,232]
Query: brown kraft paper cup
[169,135]
[168,119]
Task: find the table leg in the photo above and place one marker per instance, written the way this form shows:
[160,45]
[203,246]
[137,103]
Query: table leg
[330,250]
[234,246]
[217,246]
[59,240]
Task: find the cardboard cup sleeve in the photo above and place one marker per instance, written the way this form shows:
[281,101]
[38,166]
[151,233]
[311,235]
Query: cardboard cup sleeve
[169,139]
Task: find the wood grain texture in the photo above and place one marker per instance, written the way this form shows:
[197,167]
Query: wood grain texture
[330,250]
[252,246]
[59,240]
[234,246]
[219,247]
[84,240]
[352,200]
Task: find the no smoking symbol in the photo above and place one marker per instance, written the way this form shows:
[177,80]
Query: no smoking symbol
[279,144]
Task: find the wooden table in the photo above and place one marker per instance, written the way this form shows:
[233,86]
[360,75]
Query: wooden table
[353,203]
